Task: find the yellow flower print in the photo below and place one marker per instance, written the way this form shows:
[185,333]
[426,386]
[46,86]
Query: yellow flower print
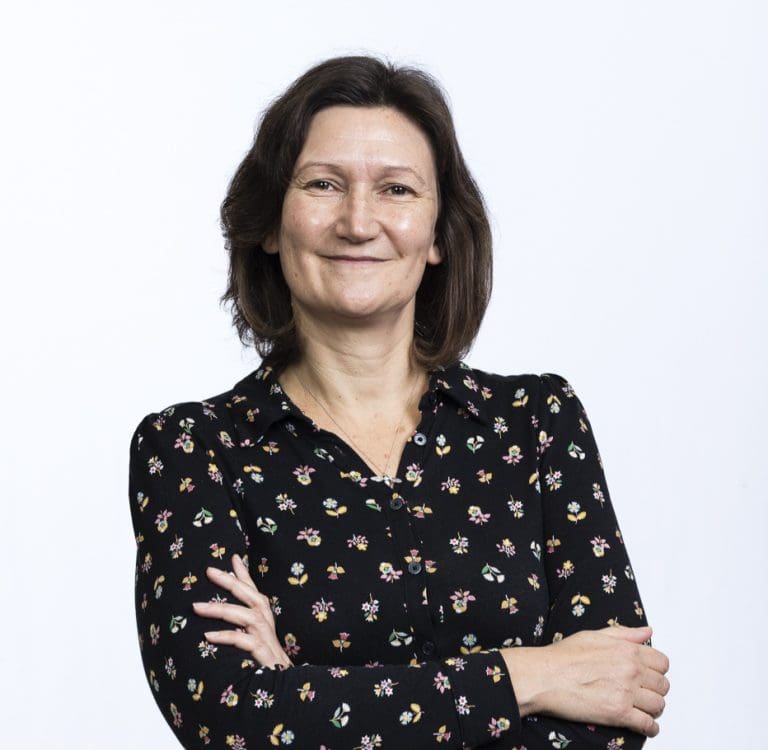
[215,474]
[552,544]
[334,571]
[225,439]
[306,693]
[575,513]
[185,442]
[332,507]
[553,402]
[280,736]
[442,734]
[298,577]
[342,641]
[157,586]
[187,581]
[452,485]
[303,474]
[196,688]
[521,398]
[411,715]
[254,472]
[510,604]
[494,673]
[142,500]
[321,608]
[580,604]
[484,476]
[161,522]
[441,446]
[217,551]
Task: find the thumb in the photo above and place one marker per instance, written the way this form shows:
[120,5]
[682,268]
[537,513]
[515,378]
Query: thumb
[636,635]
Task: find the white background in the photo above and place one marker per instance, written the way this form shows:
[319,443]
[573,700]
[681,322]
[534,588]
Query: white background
[623,151]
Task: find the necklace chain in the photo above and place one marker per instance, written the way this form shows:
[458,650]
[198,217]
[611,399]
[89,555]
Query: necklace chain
[384,475]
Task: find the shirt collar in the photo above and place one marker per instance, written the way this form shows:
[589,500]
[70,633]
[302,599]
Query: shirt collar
[259,399]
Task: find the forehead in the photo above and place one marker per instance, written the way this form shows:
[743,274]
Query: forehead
[348,135]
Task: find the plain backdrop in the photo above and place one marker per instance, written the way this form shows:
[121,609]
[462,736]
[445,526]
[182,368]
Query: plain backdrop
[623,151]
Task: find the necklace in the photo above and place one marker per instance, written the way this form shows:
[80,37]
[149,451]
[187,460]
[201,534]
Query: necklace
[382,475]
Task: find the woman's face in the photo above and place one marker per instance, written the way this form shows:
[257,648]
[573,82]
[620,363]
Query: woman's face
[359,215]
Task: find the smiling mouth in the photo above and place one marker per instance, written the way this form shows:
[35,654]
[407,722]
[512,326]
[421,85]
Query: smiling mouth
[356,259]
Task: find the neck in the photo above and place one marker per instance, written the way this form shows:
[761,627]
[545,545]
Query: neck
[358,372]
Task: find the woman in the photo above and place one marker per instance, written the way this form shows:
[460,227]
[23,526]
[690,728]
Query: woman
[434,545]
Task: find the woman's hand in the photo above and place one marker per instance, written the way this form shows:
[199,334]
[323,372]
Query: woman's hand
[258,635]
[601,676]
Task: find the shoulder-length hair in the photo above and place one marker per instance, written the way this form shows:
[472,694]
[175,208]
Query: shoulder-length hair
[453,295]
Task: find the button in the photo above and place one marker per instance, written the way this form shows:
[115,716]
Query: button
[414,567]
[420,438]
[428,647]
[396,502]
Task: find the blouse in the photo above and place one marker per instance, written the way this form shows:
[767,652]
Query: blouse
[392,596]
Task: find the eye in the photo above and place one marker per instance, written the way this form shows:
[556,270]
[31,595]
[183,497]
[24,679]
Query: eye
[324,186]
[399,190]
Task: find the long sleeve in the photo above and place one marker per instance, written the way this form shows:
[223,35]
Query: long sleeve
[590,579]
[186,514]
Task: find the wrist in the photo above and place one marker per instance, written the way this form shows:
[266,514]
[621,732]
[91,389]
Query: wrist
[525,667]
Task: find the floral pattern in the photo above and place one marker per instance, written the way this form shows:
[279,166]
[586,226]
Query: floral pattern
[392,596]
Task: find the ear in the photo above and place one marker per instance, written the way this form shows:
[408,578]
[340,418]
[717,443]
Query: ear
[434,256]
[270,245]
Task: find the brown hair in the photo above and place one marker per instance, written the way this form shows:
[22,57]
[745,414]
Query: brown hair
[453,295]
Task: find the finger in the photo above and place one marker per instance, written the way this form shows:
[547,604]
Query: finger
[641,722]
[235,614]
[655,659]
[649,702]
[260,651]
[653,680]
[241,570]
[635,634]
[247,594]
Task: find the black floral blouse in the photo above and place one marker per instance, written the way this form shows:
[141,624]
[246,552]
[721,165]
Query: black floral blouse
[391,597]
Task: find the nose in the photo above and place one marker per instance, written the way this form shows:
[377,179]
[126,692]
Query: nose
[357,220]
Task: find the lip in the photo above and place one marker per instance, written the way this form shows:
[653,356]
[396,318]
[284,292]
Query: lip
[356,258]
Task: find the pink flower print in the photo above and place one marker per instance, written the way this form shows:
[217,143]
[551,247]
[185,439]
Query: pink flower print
[506,547]
[388,572]
[471,383]
[599,545]
[514,455]
[215,474]
[185,442]
[358,541]
[229,697]
[461,600]
[303,474]
[176,714]
[452,485]
[497,726]
[225,439]
[161,522]
[477,516]
[544,442]
[442,682]
[553,479]
[291,646]
[155,466]
[500,426]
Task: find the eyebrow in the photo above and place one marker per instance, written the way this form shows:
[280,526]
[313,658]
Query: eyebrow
[386,168]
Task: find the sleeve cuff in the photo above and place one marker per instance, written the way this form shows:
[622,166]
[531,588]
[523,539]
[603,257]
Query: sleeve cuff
[485,701]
